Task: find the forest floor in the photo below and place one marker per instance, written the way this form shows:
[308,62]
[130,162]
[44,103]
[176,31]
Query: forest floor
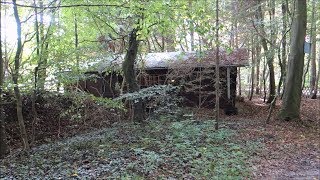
[290,149]
[187,147]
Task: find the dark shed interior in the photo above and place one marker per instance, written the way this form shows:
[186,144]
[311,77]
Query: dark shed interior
[195,74]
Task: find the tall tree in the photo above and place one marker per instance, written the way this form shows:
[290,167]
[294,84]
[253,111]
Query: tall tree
[191,26]
[217,80]
[315,91]
[43,35]
[76,40]
[283,48]
[258,59]
[253,65]
[130,75]
[313,37]
[269,51]
[3,142]
[15,77]
[292,94]
[42,48]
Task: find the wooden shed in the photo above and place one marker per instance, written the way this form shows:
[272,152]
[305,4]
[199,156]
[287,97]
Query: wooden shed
[193,71]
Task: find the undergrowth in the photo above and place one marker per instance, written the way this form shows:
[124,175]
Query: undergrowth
[158,149]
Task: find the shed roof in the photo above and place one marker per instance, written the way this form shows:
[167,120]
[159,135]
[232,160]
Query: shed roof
[171,60]
[237,58]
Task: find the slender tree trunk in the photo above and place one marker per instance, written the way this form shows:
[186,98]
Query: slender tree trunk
[149,45]
[160,44]
[154,43]
[36,26]
[42,47]
[258,59]
[272,85]
[315,91]
[3,138]
[269,52]
[130,75]
[170,42]
[313,37]
[6,51]
[252,71]
[42,40]
[163,47]
[283,59]
[292,95]
[76,41]
[310,56]
[236,43]
[217,69]
[264,79]
[191,26]
[15,76]
[34,95]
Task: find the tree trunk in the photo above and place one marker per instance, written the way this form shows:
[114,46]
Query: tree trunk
[272,85]
[3,138]
[42,49]
[163,47]
[42,40]
[264,79]
[252,70]
[15,76]
[76,41]
[313,37]
[292,95]
[191,26]
[258,59]
[158,43]
[34,95]
[283,59]
[130,76]
[315,91]
[170,42]
[217,80]
[269,52]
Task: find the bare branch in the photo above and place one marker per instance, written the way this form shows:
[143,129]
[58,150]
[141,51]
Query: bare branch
[68,6]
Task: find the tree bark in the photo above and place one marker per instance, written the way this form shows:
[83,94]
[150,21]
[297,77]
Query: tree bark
[264,79]
[283,59]
[15,76]
[272,82]
[34,94]
[315,91]
[191,26]
[253,57]
[217,80]
[170,42]
[269,52]
[130,76]
[313,37]
[76,41]
[258,59]
[42,48]
[292,95]
[3,138]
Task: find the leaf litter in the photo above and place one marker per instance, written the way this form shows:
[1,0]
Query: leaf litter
[191,149]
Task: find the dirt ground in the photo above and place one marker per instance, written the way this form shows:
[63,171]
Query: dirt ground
[291,149]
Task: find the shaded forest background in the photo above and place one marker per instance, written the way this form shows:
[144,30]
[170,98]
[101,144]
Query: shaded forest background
[47,45]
